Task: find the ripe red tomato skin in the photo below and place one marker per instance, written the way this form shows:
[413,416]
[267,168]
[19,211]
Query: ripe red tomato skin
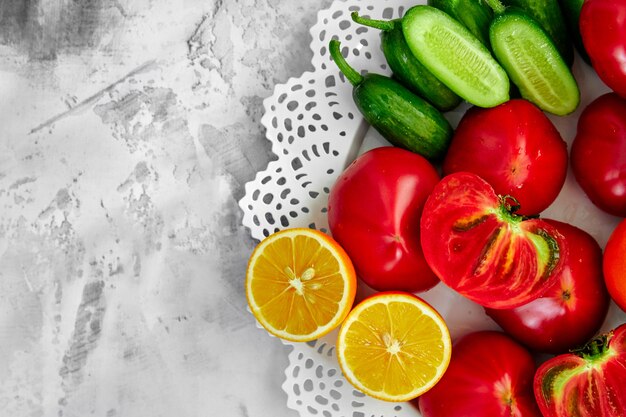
[563,383]
[374,211]
[515,148]
[598,155]
[578,301]
[614,265]
[603,31]
[487,368]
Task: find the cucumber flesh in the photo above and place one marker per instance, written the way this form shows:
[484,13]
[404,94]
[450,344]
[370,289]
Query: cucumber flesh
[550,17]
[406,68]
[455,56]
[474,15]
[534,63]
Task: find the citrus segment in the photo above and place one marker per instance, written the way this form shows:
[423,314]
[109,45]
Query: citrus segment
[393,346]
[300,284]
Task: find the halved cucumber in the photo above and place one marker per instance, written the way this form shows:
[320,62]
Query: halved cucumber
[455,56]
[406,67]
[550,17]
[474,15]
[533,63]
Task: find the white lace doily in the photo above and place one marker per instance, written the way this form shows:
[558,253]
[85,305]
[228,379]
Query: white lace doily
[316,131]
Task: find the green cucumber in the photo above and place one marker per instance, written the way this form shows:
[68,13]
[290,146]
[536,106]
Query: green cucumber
[455,56]
[571,12]
[532,61]
[400,116]
[550,17]
[474,15]
[406,68]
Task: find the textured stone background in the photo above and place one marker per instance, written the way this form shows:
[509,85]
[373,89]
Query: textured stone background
[127,131]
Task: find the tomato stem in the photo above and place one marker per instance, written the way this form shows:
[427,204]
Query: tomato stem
[506,202]
[508,206]
[511,205]
[595,348]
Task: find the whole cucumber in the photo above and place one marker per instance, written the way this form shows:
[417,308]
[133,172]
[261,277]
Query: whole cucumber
[571,12]
[474,15]
[400,116]
[550,17]
[406,68]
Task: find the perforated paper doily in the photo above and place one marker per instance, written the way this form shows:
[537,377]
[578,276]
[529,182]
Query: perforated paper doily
[316,131]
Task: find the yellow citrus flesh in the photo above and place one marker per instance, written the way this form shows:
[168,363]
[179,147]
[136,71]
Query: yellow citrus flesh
[300,284]
[394,346]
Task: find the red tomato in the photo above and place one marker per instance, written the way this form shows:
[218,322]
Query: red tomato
[374,211]
[585,383]
[477,246]
[489,375]
[515,148]
[603,31]
[578,300]
[599,153]
[614,265]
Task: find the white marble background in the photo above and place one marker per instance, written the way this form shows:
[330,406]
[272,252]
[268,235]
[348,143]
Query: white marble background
[127,131]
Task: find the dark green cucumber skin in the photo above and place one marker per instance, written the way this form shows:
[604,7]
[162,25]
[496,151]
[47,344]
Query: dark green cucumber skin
[473,14]
[571,12]
[549,15]
[412,74]
[549,55]
[401,117]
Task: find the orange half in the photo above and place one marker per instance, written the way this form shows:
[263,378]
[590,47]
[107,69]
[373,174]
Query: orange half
[300,284]
[394,346]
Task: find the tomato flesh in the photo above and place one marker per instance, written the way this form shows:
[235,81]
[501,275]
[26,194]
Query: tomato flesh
[477,246]
[586,383]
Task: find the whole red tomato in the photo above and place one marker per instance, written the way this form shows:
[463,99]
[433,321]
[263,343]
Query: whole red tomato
[489,375]
[374,211]
[515,148]
[614,265]
[603,31]
[479,247]
[599,153]
[578,300]
[589,382]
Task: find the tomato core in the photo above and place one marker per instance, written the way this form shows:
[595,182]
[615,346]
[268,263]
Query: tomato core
[504,391]
[519,170]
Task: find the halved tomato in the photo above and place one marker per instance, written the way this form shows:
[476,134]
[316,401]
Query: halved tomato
[476,244]
[588,382]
